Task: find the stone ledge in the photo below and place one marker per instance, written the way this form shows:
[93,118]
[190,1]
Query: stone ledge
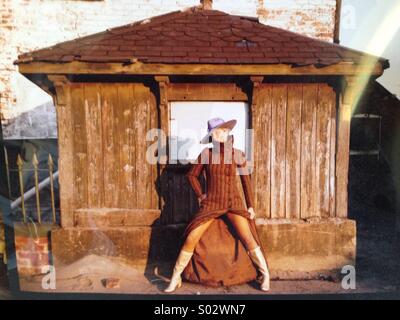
[115,217]
[295,250]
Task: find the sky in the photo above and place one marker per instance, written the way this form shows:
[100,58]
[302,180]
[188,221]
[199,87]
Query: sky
[373,26]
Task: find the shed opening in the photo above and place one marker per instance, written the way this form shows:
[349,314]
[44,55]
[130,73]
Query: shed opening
[188,124]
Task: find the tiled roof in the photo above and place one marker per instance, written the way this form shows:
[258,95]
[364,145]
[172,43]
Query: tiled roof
[198,36]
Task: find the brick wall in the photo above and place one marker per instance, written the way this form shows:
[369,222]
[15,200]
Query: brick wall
[32,255]
[27,25]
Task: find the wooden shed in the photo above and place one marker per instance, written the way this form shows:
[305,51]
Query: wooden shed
[111,87]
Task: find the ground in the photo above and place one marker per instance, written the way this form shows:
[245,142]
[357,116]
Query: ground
[377,262]
[4,292]
[88,274]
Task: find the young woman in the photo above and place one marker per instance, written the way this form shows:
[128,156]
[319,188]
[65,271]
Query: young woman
[221,245]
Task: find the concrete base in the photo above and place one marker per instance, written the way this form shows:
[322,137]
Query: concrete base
[311,249]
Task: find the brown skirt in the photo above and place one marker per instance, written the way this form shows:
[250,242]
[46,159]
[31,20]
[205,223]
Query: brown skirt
[220,258]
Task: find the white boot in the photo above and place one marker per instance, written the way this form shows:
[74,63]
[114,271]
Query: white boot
[180,264]
[257,257]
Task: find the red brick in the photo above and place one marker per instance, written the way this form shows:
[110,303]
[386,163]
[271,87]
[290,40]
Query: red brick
[21,240]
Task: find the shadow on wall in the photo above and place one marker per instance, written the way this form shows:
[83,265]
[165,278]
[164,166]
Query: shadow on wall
[178,205]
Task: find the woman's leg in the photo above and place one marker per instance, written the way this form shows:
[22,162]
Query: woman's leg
[185,254]
[194,236]
[242,227]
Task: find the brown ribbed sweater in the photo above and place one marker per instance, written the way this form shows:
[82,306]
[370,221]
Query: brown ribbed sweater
[222,189]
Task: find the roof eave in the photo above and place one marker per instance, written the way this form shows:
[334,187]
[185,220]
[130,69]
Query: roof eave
[77,67]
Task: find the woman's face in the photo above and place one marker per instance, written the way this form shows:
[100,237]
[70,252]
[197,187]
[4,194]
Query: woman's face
[220,134]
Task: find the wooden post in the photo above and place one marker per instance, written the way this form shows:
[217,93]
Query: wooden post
[164,116]
[261,195]
[346,107]
[62,101]
[163,146]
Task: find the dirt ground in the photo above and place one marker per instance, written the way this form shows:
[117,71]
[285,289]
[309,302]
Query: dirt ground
[88,274]
[4,292]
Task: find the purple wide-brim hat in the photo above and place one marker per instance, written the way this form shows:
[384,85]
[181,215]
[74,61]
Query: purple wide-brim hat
[215,123]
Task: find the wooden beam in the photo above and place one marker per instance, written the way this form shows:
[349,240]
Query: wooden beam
[163,146]
[59,82]
[206,92]
[164,116]
[77,67]
[65,140]
[261,148]
[346,106]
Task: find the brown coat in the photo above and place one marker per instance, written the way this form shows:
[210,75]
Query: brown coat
[220,258]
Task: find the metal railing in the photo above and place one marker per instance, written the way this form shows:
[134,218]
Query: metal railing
[34,191]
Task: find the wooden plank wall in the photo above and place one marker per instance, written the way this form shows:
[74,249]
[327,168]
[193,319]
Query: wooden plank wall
[110,122]
[295,142]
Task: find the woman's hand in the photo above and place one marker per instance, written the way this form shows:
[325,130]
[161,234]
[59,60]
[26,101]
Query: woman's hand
[201,198]
[252,213]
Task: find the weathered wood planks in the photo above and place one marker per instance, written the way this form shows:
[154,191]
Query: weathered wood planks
[295,150]
[110,122]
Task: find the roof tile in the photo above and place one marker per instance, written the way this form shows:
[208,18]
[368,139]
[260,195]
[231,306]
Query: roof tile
[198,36]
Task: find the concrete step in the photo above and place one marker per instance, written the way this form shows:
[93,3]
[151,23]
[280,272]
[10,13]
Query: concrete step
[295,249]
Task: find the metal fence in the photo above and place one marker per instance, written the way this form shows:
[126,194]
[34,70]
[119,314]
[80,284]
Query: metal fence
[24,195]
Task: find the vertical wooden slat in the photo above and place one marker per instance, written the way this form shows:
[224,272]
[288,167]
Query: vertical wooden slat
[80,173]
[308,148]
[261,122]
[346,104]
[141,166]
[149,167]
[152,117]
[109,95]
[278,150]
[138,182]
[163,175]
[293,151]
[118,141]
[94,144]
[127,147]
[323,149]
[66,147]
[332,153]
